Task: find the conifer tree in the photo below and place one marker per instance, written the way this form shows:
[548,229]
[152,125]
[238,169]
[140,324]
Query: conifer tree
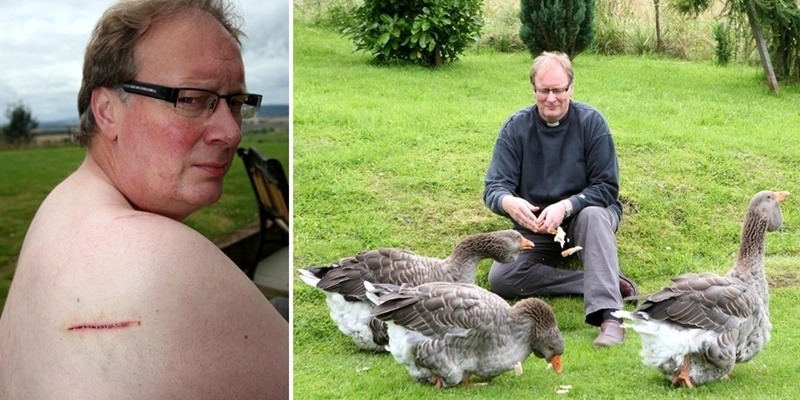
[20,126]
[557,25]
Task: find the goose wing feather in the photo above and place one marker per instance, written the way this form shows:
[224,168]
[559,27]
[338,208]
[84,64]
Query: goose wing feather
[384,265]
[705,301]
[441,309]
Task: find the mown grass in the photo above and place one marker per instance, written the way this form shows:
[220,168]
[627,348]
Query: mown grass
[395,156]
[27,176]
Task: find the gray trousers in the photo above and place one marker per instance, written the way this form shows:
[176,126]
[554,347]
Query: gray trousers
[533,274]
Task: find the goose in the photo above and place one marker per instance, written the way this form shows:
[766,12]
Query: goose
[342,282]
[444,333]
[695,330]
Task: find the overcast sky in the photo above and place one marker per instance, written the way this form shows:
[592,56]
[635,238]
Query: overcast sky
[42,44]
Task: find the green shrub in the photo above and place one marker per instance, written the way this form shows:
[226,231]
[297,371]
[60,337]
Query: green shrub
[557,25]
[429,32]
[724,48]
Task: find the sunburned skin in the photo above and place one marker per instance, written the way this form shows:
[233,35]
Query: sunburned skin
[103,325]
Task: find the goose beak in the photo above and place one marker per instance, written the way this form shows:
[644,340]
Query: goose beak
[525,244]
[781,195]
[555,362]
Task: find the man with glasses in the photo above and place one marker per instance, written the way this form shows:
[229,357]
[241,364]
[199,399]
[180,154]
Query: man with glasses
[114,297]
[554,167]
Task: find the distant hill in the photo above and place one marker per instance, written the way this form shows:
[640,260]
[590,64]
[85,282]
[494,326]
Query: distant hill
[274,110]
[59,123]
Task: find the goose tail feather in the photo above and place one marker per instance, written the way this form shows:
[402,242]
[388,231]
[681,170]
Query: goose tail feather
[308,277]
[631,315]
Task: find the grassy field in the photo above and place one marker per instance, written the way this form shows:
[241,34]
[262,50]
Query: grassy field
[27,176]
[395,156]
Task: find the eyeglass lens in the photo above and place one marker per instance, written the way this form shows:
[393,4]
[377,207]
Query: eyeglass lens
[547,91]
[197,103]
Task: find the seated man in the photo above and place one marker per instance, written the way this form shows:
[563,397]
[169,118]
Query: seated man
[113,297]
[558,156]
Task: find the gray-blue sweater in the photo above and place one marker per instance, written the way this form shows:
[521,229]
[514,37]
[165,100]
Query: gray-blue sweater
[575,160]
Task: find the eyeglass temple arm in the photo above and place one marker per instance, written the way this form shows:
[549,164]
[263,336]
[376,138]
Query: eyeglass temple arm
[162,93]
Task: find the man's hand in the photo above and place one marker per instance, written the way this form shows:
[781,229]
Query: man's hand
[521,211]
[551,218]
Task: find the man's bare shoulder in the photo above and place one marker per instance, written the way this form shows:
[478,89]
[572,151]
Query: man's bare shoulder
[200,318]
[131,299]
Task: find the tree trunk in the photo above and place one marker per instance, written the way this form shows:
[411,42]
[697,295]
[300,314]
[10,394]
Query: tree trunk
[659,43]
[772,82]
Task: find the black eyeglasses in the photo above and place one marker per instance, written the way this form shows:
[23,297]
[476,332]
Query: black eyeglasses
[197,103]
[555,91]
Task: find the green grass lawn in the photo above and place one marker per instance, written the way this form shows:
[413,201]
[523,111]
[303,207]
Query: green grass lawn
[27,176]
[394,156]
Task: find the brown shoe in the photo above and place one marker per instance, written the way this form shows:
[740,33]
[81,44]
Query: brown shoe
[611,334]
[628,290]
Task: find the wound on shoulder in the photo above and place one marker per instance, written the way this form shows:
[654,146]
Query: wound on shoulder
[104,325]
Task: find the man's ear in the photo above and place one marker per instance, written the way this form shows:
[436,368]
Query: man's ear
[105,108]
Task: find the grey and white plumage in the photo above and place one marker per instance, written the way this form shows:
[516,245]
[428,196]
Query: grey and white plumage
[343,282]
[697,329]
[444,333]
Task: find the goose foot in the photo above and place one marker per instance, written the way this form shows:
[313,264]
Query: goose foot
[682,377]
[465,381]
[438,384]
